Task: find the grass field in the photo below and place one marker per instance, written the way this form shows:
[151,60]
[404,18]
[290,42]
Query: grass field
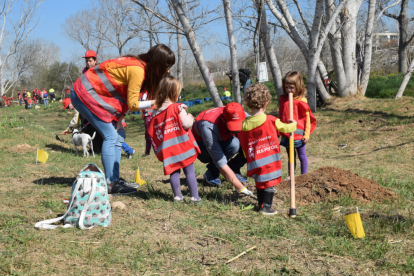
[153,236]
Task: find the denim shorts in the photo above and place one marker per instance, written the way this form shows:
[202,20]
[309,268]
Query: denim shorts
[285,142]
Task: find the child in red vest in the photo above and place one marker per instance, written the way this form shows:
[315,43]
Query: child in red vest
[176,146]
[259,139]
[306,122]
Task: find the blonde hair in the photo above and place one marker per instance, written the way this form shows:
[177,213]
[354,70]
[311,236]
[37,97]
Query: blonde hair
[295,78]
[169,88]
[257,96]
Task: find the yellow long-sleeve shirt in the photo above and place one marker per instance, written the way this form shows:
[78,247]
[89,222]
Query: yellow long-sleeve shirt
[252,122]
[308,124]
[133,76]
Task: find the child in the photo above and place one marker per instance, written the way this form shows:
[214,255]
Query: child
[260,143]
[293,83]
[176,146]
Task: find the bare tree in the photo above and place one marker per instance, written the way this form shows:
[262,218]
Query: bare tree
[88,29]
[117,14]
[16,24]
[405,38]
[311,50]
[233,51]
[405,80]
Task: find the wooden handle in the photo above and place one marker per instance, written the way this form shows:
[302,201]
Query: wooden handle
[292,211]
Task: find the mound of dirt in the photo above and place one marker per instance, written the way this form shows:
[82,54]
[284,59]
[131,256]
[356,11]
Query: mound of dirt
[330,182]
[22,148]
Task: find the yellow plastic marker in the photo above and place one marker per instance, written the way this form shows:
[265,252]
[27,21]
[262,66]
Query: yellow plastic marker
[138,179]
[41,156]
[354,223]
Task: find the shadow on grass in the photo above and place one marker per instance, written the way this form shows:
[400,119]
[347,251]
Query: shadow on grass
[55,181]
[57,147]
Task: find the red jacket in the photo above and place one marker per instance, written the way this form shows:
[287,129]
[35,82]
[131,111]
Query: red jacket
[214,115]
[106,98]
[176,147]
[262,150]
[299,115]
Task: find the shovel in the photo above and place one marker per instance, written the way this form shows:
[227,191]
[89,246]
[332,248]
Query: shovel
[62,133]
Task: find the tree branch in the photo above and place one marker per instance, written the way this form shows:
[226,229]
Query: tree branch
[383,11]
[158,15]
[303,18]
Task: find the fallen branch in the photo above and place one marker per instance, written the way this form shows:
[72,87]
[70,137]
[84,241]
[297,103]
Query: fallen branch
[241,254]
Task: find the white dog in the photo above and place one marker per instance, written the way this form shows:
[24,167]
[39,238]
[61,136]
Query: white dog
[82,139]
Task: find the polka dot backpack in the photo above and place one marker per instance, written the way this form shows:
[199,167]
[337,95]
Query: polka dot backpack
[89,204]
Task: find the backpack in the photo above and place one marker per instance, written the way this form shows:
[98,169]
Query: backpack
[89,204]
[244,75]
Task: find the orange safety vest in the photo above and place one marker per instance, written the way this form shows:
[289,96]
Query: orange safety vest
[215,116]
[106,98]
[262,150]
[299,115]
[176,147]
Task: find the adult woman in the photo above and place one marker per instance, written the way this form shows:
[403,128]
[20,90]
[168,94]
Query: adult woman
[104,94]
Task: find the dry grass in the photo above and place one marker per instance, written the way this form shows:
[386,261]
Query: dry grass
[154,236]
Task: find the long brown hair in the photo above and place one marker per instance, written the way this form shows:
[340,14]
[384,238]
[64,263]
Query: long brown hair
[169,88]
[295,78]
[157,59]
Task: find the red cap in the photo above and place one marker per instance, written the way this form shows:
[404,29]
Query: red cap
[90,53]
[234,115]
[225,88]
[66,102]
[25,90]
[34,90]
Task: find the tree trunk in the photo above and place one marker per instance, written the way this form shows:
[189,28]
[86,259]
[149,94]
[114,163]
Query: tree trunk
[180,59]
[349,45]
[336,54]
[195,48]
[323,93]
[402,47]
[233,51]
[366,67]
[271,57]
[405,80]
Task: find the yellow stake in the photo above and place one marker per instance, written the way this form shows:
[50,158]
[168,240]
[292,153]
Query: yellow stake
[138,179]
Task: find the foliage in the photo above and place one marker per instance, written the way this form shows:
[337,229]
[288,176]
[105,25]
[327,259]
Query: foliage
[387,86]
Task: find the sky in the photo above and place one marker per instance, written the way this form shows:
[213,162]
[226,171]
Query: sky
[52,14]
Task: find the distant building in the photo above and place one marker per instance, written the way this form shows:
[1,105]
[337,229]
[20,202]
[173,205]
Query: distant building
[380,38]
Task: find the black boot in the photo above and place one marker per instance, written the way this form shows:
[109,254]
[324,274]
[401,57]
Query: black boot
[266,207]
[260,197]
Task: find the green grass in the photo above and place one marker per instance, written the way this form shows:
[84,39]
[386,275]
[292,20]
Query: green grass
[154,236]
[387,86]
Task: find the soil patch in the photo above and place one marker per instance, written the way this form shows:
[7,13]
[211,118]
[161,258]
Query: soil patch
[330,182]
[22,148]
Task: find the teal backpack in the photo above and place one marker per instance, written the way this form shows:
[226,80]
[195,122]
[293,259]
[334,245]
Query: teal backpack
[89,204]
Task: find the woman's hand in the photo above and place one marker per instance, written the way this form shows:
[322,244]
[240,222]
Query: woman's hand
[119,125]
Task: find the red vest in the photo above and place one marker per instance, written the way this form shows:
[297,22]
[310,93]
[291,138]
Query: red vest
[176,147]
[262,150]
[29,101]
[299,115]
[106,98]
[215,116]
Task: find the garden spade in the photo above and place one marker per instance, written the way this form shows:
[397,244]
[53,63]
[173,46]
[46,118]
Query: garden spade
[292,211]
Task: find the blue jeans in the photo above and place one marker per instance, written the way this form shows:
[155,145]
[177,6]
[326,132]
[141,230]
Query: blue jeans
[20,102]
[246,85]
[127,148]
[45,102]
[112,140]
[230,147]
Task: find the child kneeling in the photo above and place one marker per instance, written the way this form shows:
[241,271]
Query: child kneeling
[176,146]
[260,143]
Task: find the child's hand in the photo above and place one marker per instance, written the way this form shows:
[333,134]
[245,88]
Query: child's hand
[305,140]
[184,106]
[291,121]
